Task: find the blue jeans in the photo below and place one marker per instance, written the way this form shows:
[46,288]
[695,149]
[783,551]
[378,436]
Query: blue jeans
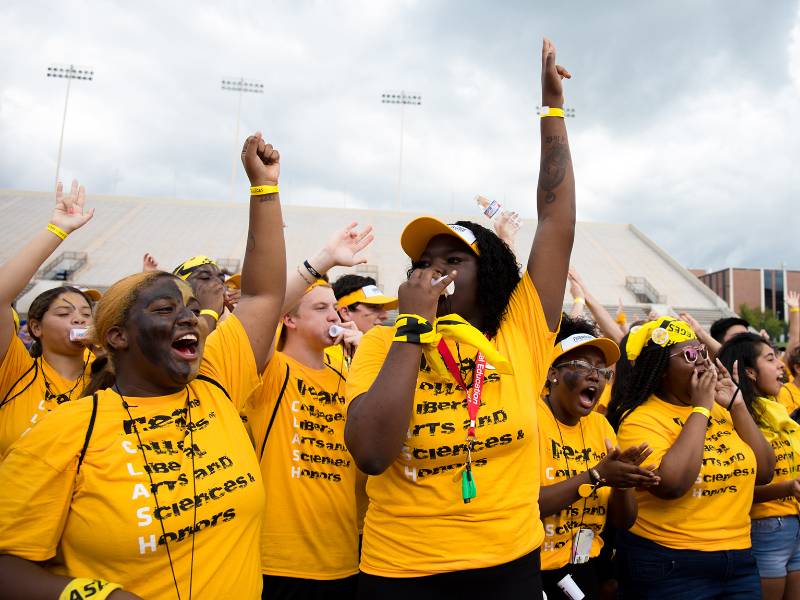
[649,570]
[776,545]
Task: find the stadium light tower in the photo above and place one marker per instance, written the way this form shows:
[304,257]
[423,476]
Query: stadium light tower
[402,99]
[68,72]
[240,85]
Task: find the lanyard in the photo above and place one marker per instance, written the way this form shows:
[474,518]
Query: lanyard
[468,490]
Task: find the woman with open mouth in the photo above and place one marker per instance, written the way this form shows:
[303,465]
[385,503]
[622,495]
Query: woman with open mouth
[775,529]
[150,488]
[57,367]
[586,478]
[691,538]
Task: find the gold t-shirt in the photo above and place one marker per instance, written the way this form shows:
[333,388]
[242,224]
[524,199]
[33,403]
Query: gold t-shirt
[567,451]
[102,522]
[715,513]
[789,396]
[604,399]
[785,442]
[29,389]
[309,529]
[417,523]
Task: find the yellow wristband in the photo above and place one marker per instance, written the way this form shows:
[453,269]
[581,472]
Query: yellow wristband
[794,309]
[621,319]
[551,111]
[82,587]
[581,300]
[210,313]
[57,231]
[703,411]
[262,190]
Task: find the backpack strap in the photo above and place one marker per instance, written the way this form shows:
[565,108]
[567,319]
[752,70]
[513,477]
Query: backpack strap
[88,433]
[215,383]
[274,413]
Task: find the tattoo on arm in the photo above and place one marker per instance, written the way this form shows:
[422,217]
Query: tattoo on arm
[555,161]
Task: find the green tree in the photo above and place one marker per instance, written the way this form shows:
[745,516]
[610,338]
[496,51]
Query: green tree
[766,320]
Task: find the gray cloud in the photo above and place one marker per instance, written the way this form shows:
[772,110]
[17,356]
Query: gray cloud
[686,111]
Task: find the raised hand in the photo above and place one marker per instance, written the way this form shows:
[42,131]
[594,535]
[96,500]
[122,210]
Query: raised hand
[792,299]
[634,455]
[726,392]
[343,247]
[506,226]
[418,296]
[703,388]
[149,263]
[69,213]
[552,74]
[261,161]
[620,473]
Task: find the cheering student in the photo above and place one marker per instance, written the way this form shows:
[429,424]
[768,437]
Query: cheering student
[309,538]
[586,479]
[691,538]
[454,483]
[151,485]
[207,281]
[57,367]
[775,528]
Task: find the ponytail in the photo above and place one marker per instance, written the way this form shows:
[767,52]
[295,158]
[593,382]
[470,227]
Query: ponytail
[102,376]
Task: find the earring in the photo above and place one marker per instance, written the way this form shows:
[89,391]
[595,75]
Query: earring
[555,381]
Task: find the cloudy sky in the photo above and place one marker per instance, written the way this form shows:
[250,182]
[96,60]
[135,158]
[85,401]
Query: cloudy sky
[687,113]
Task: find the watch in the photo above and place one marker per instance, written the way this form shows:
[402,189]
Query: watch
[594,476]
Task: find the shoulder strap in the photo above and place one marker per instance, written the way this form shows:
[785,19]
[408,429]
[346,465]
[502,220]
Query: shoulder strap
[215,383]
[88,432]
[274,413]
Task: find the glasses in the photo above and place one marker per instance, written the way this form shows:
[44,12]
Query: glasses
[693,353]
[584,369]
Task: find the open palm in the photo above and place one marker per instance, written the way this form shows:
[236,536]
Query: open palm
[344,246]
[69,213]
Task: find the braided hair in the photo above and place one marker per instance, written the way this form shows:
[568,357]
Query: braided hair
[636,381]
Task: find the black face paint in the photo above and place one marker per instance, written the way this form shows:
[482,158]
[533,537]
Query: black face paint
[158,317]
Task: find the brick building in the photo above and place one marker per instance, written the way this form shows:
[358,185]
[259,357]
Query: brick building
[762,289]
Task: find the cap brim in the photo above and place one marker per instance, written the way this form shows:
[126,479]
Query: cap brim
[234,281]
[95,295]
[607,346]
[386,302]
[420,231]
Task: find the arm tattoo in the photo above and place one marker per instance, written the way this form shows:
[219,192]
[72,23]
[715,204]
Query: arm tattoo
[553,168]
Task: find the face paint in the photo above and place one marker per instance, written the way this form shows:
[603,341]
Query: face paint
[166,330]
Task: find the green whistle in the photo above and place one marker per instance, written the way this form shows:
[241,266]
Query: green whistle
[468,490]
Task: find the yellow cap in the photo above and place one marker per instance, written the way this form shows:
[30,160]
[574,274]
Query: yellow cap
[420,231]
[607,346]
[187,267]
[94,294]
[369,294]
[234,281]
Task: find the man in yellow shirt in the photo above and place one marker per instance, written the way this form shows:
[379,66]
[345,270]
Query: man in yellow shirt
[362,301]
[309,536]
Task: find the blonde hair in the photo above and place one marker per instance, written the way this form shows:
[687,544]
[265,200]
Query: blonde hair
[114,306]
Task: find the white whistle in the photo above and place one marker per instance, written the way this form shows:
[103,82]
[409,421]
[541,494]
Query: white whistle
[335,330]
[78,333]
[449,290]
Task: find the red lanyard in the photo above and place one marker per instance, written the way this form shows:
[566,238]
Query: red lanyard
[474,396]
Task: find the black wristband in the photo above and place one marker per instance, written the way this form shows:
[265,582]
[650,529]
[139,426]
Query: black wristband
[314,273]
[733,398]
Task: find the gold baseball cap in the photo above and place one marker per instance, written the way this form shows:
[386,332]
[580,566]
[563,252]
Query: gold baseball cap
[420,231]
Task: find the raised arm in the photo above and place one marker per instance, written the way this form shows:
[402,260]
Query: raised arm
[608,325]
[68,215]
[341,250]
[711,344]
[793,303]
[264,268]
[555,198]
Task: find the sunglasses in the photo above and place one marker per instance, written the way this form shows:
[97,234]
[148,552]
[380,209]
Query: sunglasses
[693,353]
[584,369]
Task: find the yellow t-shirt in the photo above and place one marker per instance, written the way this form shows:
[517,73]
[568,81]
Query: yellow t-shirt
[334,356]
[783,434]
[789,396]
[715,513]
[567,451]
[309,528]
[29,389]
[603,400]
[103,521]
[417,523]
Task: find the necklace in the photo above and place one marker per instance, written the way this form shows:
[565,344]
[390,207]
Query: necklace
[153,488]
[66,397]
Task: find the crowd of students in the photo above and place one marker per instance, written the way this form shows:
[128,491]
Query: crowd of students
[269,434]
